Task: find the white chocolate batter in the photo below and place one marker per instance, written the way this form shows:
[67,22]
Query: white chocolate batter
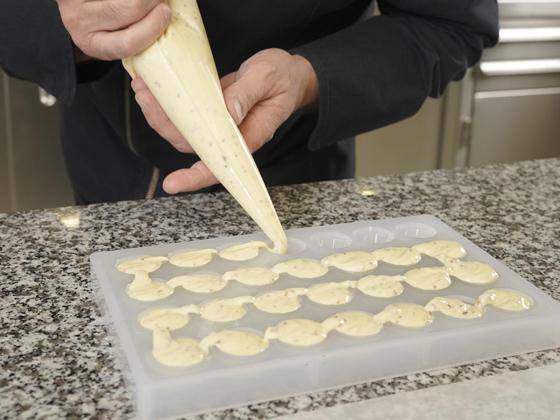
[473,272]
[253,276]
[398,255]
[225,310]
[182,352]
[454,308]
[505,299]
[235,343]
[306,332]
[354,324]
[141,264]
[192,259]
[353,262]
[302,268]
[297,332]
[242,252]
[180,72]
[381,286]
[199,283]
[144,289]
[166,318]
[331,293]
[408,315]
[428,278]
[441,250]
[280,301]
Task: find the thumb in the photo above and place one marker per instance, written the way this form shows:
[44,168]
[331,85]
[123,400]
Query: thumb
[243,94]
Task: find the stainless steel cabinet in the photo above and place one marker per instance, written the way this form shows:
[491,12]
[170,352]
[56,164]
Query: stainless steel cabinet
[5,172]
[508,107]
[513,125]
[32,173]
[411,145]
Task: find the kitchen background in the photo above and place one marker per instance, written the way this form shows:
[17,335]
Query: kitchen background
[506,109]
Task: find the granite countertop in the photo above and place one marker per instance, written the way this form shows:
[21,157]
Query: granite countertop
[55,352]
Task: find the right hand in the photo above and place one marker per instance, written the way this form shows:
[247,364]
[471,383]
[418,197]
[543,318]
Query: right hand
[114,29]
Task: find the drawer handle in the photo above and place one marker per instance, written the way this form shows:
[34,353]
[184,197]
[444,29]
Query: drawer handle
[519,67]
[528,2]
[46,98]
[530,34]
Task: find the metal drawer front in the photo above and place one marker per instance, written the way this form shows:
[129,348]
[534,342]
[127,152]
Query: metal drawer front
[515,125]
[511,9]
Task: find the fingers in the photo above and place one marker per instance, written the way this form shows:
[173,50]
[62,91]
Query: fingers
[260,125]
[194,178]
[113,15]
[227,80]
[242,94]
[157,118]
[135,38]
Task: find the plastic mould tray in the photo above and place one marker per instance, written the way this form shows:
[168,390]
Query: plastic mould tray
[224,381]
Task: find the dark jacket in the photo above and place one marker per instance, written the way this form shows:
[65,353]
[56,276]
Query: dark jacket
[371,73]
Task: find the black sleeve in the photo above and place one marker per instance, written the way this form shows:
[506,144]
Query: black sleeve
[381,70]
[35,46]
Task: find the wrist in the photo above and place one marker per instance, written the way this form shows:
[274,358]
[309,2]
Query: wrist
[310,84]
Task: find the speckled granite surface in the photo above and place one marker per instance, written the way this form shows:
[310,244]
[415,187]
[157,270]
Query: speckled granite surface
[55,355]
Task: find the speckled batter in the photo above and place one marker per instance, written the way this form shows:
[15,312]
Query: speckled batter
[354,324]
[145,264]
[182,352]
[297,332]
[305,332]
[398,255]
[454,308]
[302,268]
[441,250]
[252,276]
[408,315]
[428,278]
[225,310]
[331,293]
[235,343]
[353,262]
[242,252]
[472,272]
[381,286]
[199,283]
[506,299]
[192,259]
[280,301]
[166,318]
[144,289]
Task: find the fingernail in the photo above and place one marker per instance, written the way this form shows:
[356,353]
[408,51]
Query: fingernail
[169,187]
[238,112]
[167,13]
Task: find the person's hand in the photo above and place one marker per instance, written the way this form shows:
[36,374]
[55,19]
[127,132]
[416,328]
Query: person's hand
[113,29]
[260,96]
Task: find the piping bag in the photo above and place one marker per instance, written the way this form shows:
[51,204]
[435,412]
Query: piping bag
[180,71]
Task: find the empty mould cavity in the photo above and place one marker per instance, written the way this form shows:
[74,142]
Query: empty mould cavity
[331,240]
[415,230]
[295,246]
[371,235]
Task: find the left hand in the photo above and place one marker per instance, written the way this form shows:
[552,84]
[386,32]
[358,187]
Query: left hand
[260,96]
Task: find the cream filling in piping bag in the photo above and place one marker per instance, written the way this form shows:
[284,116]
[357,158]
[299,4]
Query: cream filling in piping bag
[180,71]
